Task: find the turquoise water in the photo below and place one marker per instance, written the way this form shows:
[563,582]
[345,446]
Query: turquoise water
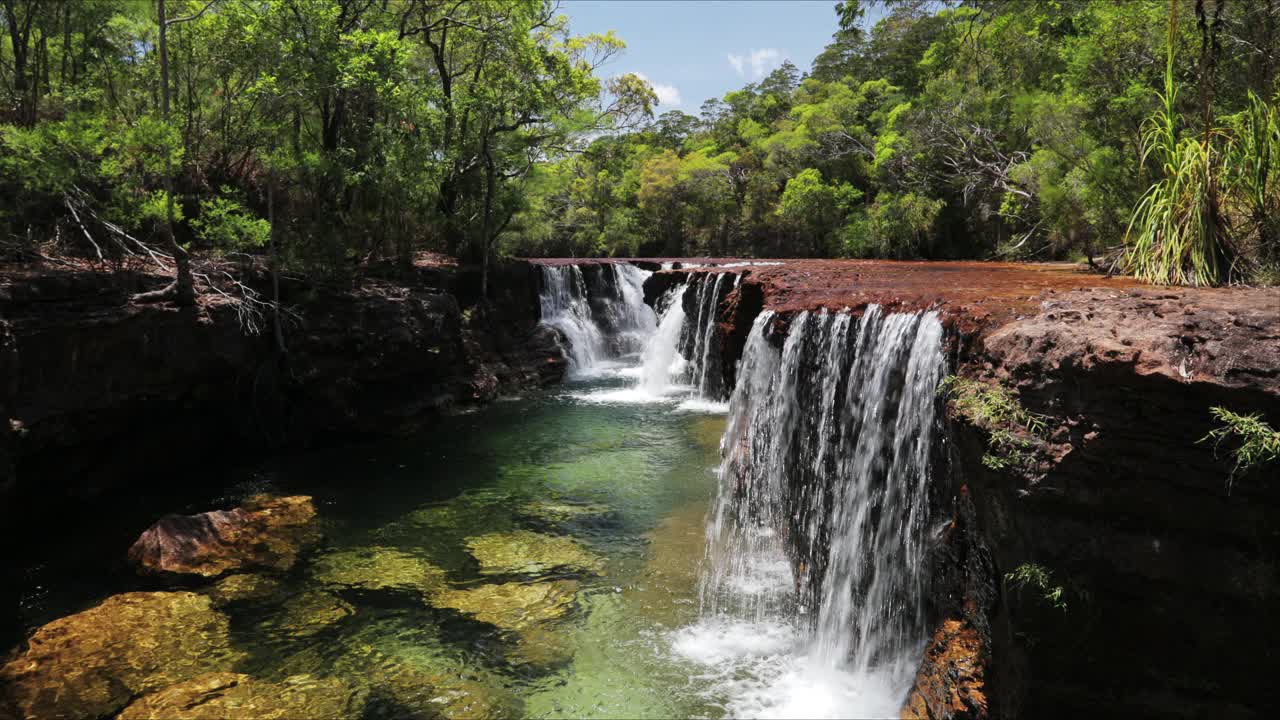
[534,558]
[629,482]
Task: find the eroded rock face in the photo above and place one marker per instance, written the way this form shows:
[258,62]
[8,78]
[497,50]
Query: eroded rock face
[522,552]
[233,696]
[264,532]
[91,664]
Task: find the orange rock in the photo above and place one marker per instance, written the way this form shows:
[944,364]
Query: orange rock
[952,678]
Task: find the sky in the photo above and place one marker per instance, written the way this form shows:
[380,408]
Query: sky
[693,50]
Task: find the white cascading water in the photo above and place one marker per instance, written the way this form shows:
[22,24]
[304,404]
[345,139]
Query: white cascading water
[814,579]
[631,322]
[620,326]
[680,360]
[704,333]
[662,359]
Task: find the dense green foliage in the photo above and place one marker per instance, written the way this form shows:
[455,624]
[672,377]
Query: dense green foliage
[976,129]
[348,130]
[332,133]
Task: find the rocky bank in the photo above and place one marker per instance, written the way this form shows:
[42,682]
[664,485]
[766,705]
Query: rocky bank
[97,389]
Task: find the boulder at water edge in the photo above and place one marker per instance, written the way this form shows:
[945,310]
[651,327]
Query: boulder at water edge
[264,532]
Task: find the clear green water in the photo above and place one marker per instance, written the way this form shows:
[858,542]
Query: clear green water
[630,482]
[627,483]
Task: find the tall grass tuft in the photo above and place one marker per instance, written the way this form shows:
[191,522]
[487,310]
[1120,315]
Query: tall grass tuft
[1179,234]
[1253,168]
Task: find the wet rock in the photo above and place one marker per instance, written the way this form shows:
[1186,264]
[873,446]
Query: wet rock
[243,586]
[378,568]
[92,663]
[264,532]
[233,696]
[951,684]
[528,553]
[512,606]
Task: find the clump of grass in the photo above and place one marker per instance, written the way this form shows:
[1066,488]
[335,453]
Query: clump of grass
[1040,579]
[1256,442]
[1178,234]
[996,409]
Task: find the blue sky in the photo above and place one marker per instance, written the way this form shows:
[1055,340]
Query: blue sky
[692,50]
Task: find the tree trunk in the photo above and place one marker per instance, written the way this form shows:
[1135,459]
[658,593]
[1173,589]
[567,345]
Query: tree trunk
[274,260]
[486,225]
[182,290]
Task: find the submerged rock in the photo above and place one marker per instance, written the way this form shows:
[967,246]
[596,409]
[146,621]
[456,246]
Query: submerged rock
[378,568]
[552,512]
[310,613]
[538,647]
[512,606]
[92,663]
[264,532]
[243,586]
[233,696]
[410,676]
[522,552]
[448,696]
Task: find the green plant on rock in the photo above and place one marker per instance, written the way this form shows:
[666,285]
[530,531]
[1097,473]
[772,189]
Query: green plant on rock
[1012,429]
[1040,579]
[1256,442]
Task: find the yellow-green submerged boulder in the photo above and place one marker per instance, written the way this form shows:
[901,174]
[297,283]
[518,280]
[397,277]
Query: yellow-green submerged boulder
[233,696]
[511,606]
[377,568]
[92,663]
[522,552]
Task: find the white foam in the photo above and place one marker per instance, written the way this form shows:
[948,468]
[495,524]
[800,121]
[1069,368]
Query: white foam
[798,688]
[717,641]
[702,405]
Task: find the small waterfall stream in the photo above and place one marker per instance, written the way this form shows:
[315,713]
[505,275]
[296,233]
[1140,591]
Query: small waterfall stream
[682,358]
[601,322]
[814,576]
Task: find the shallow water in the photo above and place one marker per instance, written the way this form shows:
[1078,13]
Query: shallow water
[627,481]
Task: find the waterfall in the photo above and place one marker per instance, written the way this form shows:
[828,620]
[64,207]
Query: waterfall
[662,359]
[564,307]
[704,350]
[821,515]
[603,319]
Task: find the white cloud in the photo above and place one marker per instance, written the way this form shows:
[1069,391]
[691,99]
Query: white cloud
[668,95]
[755,64]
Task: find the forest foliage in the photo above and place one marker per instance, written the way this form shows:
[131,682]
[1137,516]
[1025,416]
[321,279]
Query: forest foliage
[332,133]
